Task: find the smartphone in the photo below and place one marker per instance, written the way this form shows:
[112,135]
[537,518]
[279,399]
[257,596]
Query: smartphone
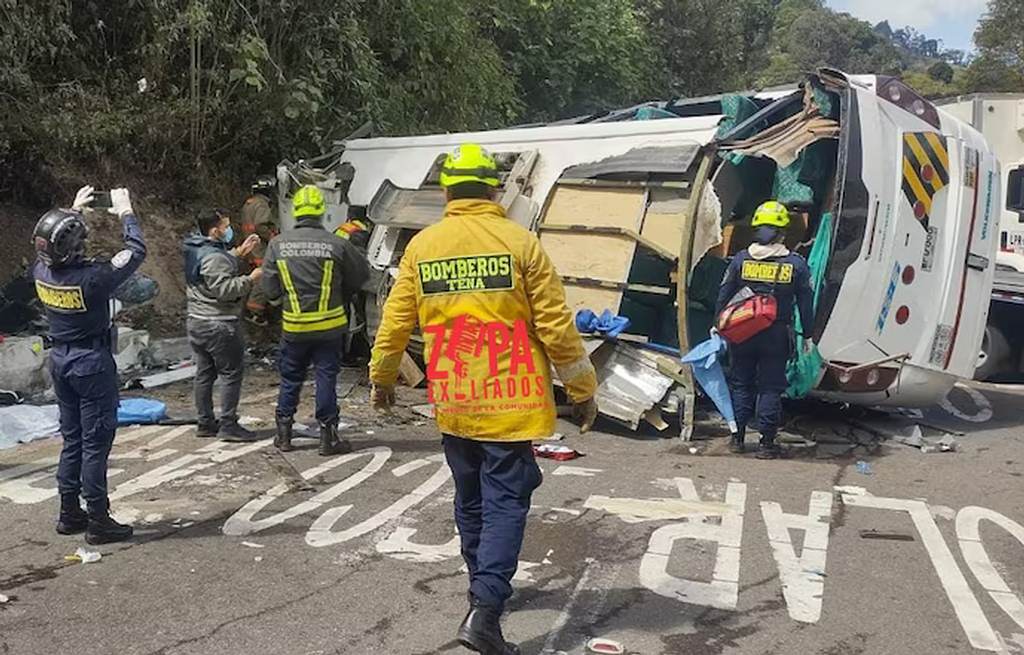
[101,199]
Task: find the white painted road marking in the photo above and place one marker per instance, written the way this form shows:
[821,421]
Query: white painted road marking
[803,577]
[722,591]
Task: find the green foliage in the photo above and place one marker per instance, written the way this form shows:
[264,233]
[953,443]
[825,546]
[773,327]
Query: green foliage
[179,88]
[1000,40]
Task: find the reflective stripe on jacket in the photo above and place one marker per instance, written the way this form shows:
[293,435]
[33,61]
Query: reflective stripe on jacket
[493,315]
[315,272]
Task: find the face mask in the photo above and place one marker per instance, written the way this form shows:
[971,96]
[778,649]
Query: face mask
[229,235]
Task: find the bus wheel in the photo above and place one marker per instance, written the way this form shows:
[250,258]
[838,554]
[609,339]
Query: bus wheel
[995,351]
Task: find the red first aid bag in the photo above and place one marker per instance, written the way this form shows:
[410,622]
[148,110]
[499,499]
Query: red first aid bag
[742,320]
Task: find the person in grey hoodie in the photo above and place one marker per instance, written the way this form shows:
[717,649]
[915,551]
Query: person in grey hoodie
[216,297]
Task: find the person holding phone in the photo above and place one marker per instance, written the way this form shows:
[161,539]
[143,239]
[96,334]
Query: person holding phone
[216,298]
[77,295]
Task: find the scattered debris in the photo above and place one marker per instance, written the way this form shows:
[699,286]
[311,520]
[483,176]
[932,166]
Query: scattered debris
[886,536]
[4,599]
[251,421]
[23,364]
[558,436]
[251,544]
[258,558]
[605,646]
[164,352]
[184,372]
[409,372]
[426,411]
[84,556]
[556,452]
[25,423]
[630,382]
[864,468]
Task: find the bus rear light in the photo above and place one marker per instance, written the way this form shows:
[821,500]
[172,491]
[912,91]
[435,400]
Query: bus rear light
[909,274]
[902,315]
[858,379]
[903,96]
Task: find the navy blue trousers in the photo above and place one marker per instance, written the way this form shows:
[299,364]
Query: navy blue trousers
[86,385]
[293,360]
[757,378]
[493,486]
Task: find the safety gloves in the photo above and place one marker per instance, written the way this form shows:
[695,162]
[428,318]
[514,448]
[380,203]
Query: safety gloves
[83,199]
[382,397]
[120,203]
[586,413]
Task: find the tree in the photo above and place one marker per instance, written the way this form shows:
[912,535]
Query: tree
[941,71]
[1000,40]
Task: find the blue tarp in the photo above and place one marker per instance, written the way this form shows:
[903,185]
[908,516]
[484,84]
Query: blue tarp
[135,411]
[608,324]
[707,369]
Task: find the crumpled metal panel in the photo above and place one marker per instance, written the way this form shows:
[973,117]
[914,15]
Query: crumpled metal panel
[652,159]
[629,383]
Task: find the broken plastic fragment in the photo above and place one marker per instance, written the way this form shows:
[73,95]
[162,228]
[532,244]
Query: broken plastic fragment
[605,646]
[84,556]
[556,452]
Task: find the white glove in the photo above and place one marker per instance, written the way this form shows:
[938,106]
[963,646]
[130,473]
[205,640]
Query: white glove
[83,198]
[120,202]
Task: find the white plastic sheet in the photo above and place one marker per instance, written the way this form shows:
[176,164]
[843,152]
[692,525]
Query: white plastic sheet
[24,423]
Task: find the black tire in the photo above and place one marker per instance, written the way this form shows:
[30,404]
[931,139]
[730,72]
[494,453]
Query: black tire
[995,354]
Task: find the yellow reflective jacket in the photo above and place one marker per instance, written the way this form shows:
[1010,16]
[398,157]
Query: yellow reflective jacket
[493,315]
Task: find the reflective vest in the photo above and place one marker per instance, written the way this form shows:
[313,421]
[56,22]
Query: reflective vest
[314,272]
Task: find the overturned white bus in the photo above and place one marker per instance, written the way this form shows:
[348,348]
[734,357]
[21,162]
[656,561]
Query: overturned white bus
[896,206]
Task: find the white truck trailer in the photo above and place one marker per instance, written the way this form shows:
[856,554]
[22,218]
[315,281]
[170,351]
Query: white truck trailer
[1000,119]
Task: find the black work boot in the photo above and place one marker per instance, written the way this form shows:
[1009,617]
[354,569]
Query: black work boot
[72,518]
[736,442]
[105,530]
[330,444]
[283,440]
[235,433]
[481,631]
[767,449]
[207,430]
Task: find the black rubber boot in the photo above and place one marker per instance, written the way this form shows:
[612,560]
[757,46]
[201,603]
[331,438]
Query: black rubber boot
[736,443]
[330,444]
[283,440]
[72,519]
[767,449]
[207,430]
[235,433]
[481,631]
[105,530]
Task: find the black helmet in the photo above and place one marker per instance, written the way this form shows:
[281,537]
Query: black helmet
[59,237]
[264,184]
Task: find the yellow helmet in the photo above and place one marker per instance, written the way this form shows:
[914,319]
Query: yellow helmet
[469,163]
[771,213]
[308,201]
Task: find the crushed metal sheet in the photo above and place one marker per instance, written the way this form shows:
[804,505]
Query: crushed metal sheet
[629,383]
[168,377]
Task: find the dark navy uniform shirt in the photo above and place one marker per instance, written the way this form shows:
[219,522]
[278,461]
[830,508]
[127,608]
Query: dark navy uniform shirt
[77,297]
[788,276]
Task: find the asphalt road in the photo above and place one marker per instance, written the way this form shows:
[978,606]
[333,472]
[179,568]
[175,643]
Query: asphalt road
[641,541]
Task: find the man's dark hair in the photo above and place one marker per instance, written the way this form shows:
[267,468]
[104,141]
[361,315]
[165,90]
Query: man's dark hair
[470,190]
[208,219]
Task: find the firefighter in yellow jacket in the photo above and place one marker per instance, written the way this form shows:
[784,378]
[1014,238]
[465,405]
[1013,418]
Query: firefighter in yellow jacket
[493,315]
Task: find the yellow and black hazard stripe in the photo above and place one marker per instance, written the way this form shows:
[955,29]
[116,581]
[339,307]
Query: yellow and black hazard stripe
[925,171]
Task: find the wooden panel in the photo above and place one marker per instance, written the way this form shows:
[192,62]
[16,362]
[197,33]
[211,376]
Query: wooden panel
[596,256]
[596,207]
[593,298]
[666,215]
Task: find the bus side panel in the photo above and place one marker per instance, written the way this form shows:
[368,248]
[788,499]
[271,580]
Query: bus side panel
[976,252]
[850,326]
